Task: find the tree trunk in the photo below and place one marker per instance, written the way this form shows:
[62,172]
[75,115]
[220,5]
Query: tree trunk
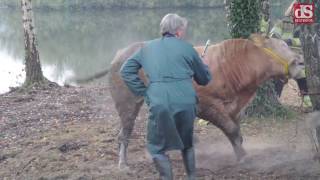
[33,67]
[310,38]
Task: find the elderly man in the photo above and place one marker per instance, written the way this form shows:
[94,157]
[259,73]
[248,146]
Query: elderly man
[170,64]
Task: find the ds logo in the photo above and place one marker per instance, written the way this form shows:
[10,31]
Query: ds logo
[303,13]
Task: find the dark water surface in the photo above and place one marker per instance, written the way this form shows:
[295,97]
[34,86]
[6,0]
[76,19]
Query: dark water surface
[74,44]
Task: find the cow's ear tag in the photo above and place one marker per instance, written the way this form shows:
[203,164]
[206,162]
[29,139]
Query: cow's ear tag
[257,39]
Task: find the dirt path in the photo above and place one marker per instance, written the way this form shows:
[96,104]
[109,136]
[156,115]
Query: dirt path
[70,133]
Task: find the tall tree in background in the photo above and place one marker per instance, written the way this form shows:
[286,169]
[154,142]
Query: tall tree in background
[34,74]
[244,18]
[310,38]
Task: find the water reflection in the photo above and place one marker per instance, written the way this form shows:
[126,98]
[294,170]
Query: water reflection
[79,43]
[12,72]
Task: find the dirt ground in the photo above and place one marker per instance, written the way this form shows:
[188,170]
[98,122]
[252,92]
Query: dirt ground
[71,133]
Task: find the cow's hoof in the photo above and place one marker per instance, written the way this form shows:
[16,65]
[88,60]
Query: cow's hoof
[243,160]
[123,167]
[316,157]
[195,139]
[241,154]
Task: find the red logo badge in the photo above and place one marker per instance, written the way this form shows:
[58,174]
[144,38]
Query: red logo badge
[303,13]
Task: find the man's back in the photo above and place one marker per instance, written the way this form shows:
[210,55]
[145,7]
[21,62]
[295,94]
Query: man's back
[168,64]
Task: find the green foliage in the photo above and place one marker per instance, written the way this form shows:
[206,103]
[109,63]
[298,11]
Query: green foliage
[244,17]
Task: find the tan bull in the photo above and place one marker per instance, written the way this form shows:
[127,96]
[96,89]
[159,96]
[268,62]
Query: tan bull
[238,66]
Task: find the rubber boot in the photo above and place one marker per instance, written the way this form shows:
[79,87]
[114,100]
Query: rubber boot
[189,163]
[163,166]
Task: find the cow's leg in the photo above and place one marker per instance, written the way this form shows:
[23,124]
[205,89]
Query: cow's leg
[223,121]
[128,113]
[236,120]
[127,106]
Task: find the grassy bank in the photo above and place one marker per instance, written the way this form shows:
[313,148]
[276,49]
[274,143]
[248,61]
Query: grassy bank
[107,4]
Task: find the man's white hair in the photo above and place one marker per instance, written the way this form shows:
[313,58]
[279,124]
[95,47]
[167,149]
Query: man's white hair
[170,23]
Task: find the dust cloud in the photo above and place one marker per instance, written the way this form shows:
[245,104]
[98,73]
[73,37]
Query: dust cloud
[275,150]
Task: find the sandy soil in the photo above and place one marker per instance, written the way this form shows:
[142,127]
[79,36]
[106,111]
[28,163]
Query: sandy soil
[70,133]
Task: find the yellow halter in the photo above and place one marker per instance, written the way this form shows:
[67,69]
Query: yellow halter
[259,43]
[277,58]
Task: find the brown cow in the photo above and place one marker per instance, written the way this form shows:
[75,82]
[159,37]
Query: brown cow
[238,67]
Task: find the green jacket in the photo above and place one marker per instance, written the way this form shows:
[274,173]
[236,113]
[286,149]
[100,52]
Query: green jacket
[166,60]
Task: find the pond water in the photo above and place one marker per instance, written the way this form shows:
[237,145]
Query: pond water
[75,44]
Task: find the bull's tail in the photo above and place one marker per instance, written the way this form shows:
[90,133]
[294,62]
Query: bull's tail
[93,77]
[120,57]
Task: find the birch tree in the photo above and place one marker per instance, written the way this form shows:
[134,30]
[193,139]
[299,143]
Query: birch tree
[34,75]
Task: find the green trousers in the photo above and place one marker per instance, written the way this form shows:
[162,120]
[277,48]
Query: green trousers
[170,127]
